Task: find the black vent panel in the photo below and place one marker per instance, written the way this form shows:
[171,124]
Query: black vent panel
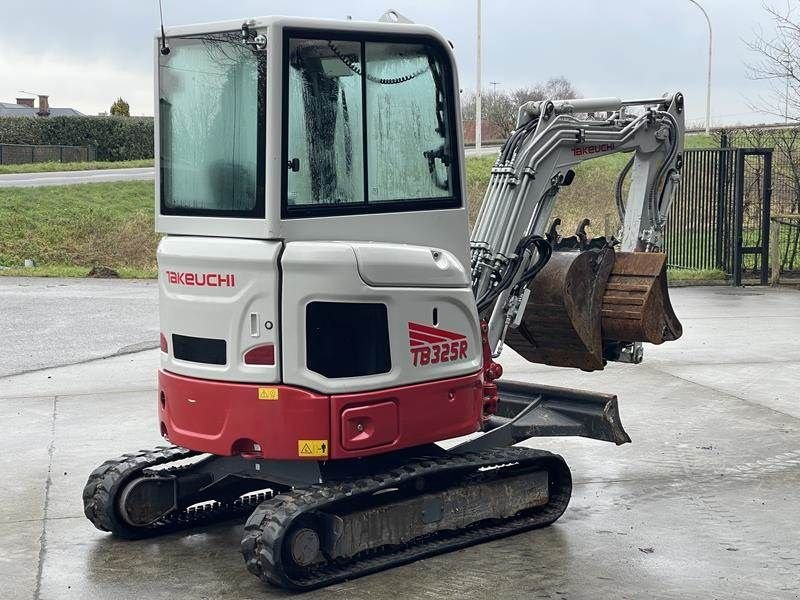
[347,339]
[200,350]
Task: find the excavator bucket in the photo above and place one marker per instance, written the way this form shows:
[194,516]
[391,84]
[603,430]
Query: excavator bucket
[562,322]
[636,305]
[582,300]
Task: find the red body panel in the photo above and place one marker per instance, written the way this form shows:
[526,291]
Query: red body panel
[220,417]
[230,418]
[426,412]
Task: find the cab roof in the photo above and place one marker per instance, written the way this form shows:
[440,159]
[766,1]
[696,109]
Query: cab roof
[281,22]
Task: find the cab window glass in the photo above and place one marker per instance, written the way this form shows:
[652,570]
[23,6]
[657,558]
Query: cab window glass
[211,110]
[407,130]
[369,126]
[325,140]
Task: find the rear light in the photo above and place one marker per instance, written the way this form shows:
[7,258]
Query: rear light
[164,347]
[260,355]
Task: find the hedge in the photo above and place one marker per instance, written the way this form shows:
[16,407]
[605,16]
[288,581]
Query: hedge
[116,138]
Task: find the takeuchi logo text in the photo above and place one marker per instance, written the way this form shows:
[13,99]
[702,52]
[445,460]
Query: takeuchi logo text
[596,149]
[201,279]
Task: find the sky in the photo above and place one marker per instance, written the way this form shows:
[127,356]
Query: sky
[86,53]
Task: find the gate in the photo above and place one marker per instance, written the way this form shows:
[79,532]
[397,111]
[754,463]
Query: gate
[719,218]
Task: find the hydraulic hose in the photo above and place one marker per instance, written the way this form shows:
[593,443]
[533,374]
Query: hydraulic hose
[618,188]
[511,270]
[545,251]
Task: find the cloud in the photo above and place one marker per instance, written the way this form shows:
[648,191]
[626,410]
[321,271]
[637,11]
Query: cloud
[89,84]
[96,50]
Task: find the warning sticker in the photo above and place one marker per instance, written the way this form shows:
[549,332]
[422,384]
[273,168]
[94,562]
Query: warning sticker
[315,448]
[270,393]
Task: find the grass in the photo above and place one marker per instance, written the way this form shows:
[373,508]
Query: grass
[590,196]
[74,271]
[692,275]
[700,140]
[45,167]
[69,229]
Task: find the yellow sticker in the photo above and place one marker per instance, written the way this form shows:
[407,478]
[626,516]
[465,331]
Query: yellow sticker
[315,448]
[268,393]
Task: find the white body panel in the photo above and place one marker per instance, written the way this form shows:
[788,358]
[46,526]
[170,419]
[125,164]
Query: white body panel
[395,265]
[328,271]
[221,312]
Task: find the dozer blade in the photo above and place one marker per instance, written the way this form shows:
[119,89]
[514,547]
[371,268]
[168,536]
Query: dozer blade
[527,410]
[562,322]
[636,305]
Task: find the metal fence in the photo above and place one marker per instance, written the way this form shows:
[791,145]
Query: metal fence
[15,154]
[719,219]
[786,200]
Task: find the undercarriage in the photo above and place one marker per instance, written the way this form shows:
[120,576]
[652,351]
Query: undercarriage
[315,523]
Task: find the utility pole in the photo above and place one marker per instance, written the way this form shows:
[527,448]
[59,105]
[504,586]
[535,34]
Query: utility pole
[708,86]
[494,85]
[478,123]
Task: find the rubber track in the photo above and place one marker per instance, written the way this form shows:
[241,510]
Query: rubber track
[266,529]
[107,481]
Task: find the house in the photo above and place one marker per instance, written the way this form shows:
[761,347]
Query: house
[24,107]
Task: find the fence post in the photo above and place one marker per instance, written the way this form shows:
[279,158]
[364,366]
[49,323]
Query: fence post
[738,219]
[722,170]
[775,250]
[766,213]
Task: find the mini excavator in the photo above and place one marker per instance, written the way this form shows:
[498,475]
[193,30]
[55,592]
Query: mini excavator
[327,319]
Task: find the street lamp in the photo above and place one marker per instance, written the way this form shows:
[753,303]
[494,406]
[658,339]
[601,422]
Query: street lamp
[708,90]
[494,85]
[478,124]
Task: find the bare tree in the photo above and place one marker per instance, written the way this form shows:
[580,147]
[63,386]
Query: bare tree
[500,107]
[777,61]
[785,181]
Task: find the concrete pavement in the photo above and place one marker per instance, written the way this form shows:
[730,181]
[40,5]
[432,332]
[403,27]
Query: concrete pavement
[703,504]
[70,177]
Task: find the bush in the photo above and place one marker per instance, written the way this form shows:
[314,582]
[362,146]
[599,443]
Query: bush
[116,138]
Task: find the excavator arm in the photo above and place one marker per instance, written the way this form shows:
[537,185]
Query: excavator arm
[519,285]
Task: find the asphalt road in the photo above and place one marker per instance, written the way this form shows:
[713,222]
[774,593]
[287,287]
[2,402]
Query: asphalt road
[702,504]
[484,151]
[143,174]
[47,322]
[68,177]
